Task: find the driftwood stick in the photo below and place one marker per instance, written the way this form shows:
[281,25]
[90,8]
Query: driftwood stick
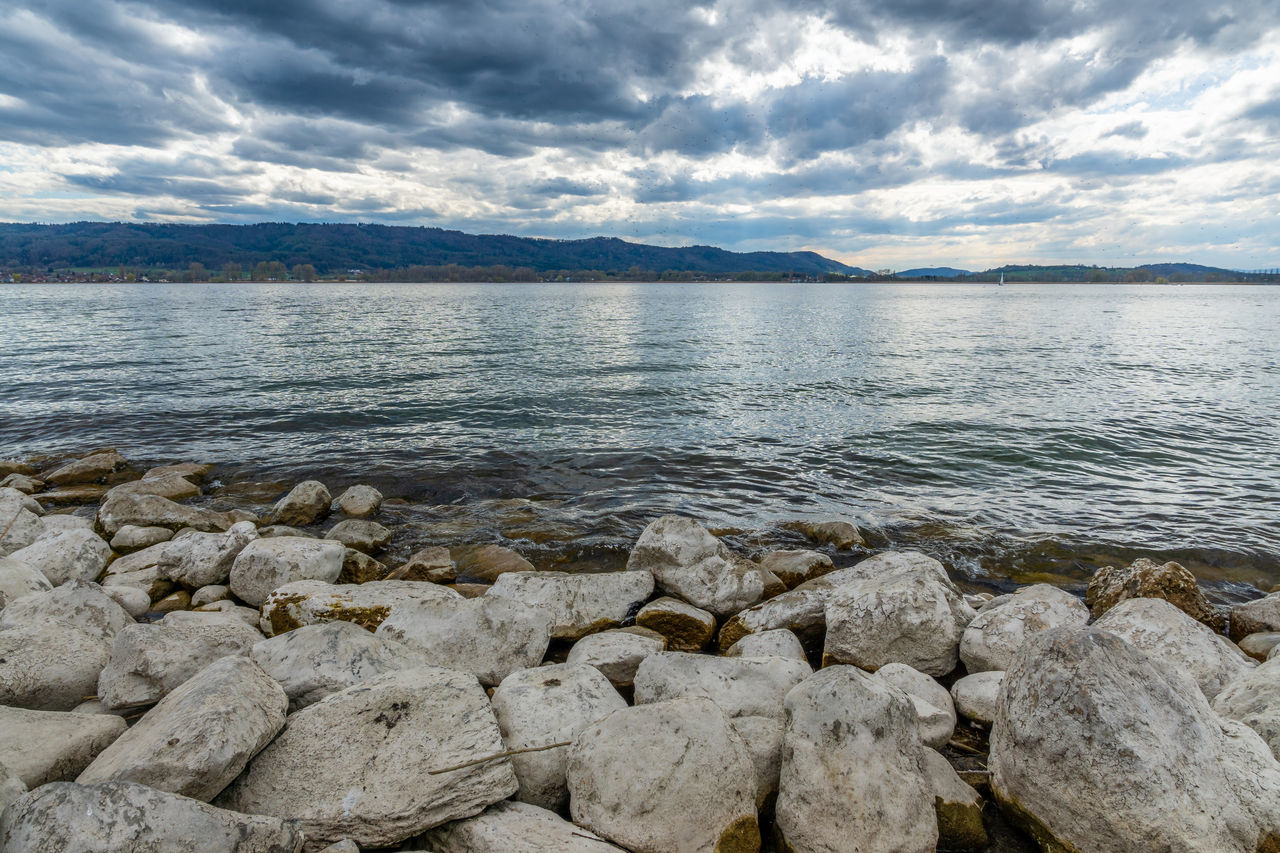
[509,752]
[11,521]
[963,747]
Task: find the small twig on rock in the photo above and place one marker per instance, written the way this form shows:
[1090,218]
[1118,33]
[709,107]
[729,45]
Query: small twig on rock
[11,521]
[962,747]
[496,755]
[588,837]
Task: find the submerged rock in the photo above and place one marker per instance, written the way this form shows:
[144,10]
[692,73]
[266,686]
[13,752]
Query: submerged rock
[838,534]
[487,562]
[434,565]
[358,502]
[579,604]
[691,564]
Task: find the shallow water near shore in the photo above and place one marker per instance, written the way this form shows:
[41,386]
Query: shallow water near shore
[1019,433]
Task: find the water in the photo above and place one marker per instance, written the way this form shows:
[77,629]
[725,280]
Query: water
[1020,432]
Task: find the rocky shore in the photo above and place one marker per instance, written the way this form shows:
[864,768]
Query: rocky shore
[179,675]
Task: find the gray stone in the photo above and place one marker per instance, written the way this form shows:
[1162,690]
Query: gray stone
[486,562]
[361,535]
[358,502]
[89,469]
[132,538]
[175,487]
[11,787]
[509,827]
[778,642]
[579,604]
[358,764]
[617,654]
[976,696]
[120,509]
[122,817]
[21,527]
[795,567]
[991,640]
[67,555]
[1256,646]
[210,594]
[1255,617]
[687,628]
[957,805]
[59,522]
[1253,698]
[200,736]
[933,705]
[134,600]
[366,604]
[306,503]
[84,606]
[49,667]
[22,483]
[196,472]
[691,564]
[201,559]
[268,564]
[53,746]
[434,565]
[17,579]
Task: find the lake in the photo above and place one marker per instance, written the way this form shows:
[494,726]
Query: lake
[1022,431]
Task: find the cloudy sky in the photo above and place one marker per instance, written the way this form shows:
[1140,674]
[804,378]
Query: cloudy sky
[885,133]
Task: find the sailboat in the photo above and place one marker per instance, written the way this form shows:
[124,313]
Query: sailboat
[1001,280]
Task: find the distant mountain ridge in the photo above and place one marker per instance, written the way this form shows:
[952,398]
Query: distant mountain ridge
[342,247]
[933,272]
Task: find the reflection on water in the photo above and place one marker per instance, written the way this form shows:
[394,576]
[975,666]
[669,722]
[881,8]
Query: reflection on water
[1018,429]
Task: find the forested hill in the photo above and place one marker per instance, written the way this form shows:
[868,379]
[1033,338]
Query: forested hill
[339,248]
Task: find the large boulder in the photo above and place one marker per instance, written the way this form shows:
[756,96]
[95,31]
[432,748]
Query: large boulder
[17,579]
[1098,747]
[617,654]
[365,763]
[200,736]
[315,660]
[147,661]
[991,640]
[67,555]
[358,501]
[580,604]
[93,468]
[490,636]
[306,503]
[904,610]
[509,827]
[53,746]
[367,605]
[1254,699]
[84,606]
[49,667]
[1257,616]
[1176,641]
[123,817]
[853,768]
[202,559]
[691,564]
[1148,579]
[935,711]
[671,776]
[547,705]
[265,565]
[121,508]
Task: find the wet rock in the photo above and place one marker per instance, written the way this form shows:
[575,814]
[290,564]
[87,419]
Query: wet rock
[933,705]
[202,559]
[275,531]
[617,654]
[1255,617]
[49,667]
[991,640]
[132,538]
[853,768]
[691,564]
[433,565]
[265,565]
[1147,579]
[491,636]
[209,594]
[67,555]
[1254,699]
[358,502]
[315,660]
[667,776]
[487,562]
[546,705]
[22,483]
[1097,747]
[83,606]
[976,696]
[509,827]
[579,604]
[175,487]
[200,736]
[907,611]
[53,746]
[120,509]
[795,567]
[73,495]
[1256,646]
[687,628]
[17,579]
[360,568]
[366,604]
[358,763]
[839,534]
[957,805]
[1176,641]
[148,661]
[361,535]
[471,590]
[306,503]
[776,643]
[90,469]
[196,472]
[122,817]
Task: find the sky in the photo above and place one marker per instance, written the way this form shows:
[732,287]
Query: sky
[888,134]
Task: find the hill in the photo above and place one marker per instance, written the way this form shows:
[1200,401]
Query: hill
[933,272]
[343,247]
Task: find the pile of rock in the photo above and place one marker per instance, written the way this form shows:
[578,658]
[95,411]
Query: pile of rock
[183,678]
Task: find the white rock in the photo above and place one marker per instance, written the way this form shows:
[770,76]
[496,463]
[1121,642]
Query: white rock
[580,604]
[795,567]
[132,538]
[210,594]
[908,611]
[509,827]
[1256,646]
[1252,617]
[491,637]
[121,508]
[366,604]
[1176,641]
[690,563]
[617,654]
[778,642]
[134,600]
[1100,748]
[84,606]
[992,639]
[22,527]
[268,564]
[853,768]
[117,817]
[49,667]
[53,746]
[932,703]
[175,487]
[358,502]
[67,555]
[306,503]
[200,736]
[62,521]
[976,696]
[17,579]
[358,763]
[315,660]
[671,776]
[546,705]
[201,559]
[147,661]
[1254,699]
